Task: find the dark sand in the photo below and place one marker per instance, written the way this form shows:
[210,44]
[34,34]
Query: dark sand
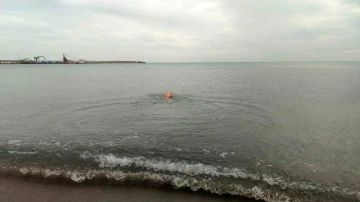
[13,189]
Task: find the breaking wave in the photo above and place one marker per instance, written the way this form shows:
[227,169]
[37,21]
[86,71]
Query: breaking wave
[157,172]
[111,161]
[217,179]
[150,179]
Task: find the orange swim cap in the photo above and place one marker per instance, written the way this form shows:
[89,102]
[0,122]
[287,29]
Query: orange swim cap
[169,95]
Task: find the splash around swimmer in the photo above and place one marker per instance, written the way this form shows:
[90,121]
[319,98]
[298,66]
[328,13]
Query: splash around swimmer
[169,95]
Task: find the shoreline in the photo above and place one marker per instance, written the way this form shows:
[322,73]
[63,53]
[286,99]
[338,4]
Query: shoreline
[16,190]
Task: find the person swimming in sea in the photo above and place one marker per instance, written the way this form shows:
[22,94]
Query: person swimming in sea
[169,95]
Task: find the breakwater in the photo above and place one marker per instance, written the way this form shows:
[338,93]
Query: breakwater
[61,62]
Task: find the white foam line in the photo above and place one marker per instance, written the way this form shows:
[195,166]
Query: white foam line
[22,152]
[111,161]
[14,141]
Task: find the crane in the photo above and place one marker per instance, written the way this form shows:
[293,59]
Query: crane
[37,57]
[26,61]
[65,59]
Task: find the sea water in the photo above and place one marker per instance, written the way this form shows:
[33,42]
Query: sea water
[271,131]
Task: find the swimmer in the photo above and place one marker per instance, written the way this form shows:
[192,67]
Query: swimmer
[169,95]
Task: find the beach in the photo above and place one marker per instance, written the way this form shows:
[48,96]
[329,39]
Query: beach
[16,190]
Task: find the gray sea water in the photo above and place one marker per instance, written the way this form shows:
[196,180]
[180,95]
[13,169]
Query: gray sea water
[271,131]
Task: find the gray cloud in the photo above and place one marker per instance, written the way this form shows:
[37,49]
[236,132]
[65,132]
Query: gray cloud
[182,31]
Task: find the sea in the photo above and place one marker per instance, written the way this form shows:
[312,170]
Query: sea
[286,131]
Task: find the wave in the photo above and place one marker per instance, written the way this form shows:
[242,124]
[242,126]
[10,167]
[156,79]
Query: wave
[117,177]
[111,161]
[149,179]
[234,181]
[158,172]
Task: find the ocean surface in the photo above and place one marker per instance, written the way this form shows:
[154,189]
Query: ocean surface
[271,131]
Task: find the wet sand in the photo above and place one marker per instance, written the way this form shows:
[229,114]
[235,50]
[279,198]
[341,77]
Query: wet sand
[18,190]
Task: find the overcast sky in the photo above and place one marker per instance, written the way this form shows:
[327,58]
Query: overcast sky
[181,30]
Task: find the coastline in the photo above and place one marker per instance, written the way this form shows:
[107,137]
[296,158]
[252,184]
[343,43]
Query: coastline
[70,62]
[16,190]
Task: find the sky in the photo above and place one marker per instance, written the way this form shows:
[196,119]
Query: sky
[181,30]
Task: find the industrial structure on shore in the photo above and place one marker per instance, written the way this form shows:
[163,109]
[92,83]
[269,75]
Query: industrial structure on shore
[64,61]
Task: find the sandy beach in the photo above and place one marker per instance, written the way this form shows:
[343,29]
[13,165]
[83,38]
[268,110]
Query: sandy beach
[18,190]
